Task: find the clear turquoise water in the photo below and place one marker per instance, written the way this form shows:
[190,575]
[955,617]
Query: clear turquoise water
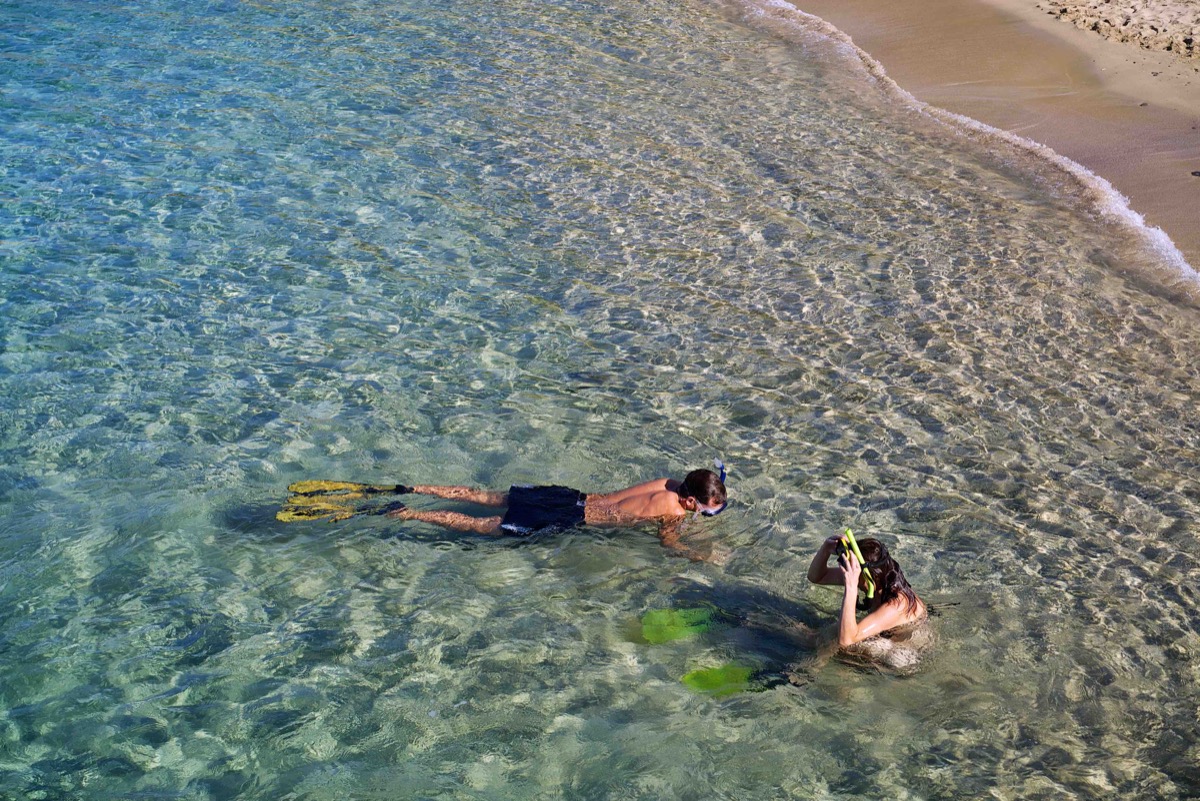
[243,244]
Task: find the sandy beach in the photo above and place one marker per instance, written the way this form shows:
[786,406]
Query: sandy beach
[1172,27]
[1101,97]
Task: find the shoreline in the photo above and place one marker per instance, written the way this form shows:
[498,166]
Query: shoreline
[1131,116]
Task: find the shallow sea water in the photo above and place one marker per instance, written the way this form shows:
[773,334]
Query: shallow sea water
[243,244]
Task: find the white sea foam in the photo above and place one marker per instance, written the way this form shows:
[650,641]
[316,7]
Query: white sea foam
[1100,195]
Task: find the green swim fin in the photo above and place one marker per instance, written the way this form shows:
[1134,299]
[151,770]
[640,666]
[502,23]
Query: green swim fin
[664,625]
[719,681]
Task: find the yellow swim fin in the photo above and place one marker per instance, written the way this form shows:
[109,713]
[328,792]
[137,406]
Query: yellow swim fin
[333,500]
[324,500]
[292,512]
[299,507]
[322,487]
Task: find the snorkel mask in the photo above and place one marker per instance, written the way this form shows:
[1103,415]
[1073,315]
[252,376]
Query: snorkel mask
[713,511]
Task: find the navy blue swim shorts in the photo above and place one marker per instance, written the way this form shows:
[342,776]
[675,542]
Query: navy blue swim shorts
[532,509]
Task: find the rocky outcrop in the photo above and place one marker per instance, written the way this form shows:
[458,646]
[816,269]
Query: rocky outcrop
[1170,25]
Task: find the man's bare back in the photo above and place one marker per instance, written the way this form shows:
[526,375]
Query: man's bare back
[653,500]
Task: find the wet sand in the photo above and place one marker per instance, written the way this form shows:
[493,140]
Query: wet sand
[1127,114]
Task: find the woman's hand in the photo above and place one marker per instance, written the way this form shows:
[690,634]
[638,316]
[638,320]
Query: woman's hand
[848,628]
[851,570]
[819,571]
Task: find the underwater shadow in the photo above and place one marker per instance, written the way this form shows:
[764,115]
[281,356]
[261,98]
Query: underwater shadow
[258,522]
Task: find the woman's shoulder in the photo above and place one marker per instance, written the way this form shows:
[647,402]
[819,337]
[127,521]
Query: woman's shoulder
[913,618]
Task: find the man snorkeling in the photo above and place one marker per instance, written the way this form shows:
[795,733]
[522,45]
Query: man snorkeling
[530,510]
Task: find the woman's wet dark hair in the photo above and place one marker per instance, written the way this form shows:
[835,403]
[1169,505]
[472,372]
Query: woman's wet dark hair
[889,578]
[705,486]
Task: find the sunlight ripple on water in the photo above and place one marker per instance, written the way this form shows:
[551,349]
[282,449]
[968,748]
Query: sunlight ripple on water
[243,244]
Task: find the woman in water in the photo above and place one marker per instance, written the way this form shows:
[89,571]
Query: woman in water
[891,632]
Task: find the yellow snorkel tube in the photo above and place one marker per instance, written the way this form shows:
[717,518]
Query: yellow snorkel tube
[849,546]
